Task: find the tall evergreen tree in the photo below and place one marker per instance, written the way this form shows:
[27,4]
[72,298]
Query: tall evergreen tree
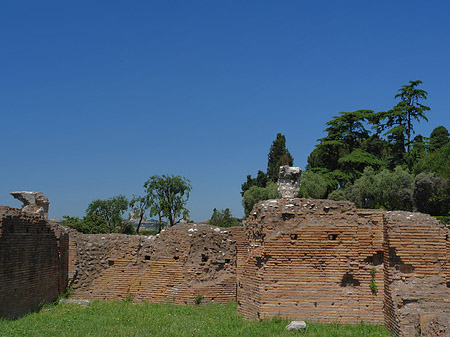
[438,138]
[348,127]
[278,155]
[410,104]
[398,122]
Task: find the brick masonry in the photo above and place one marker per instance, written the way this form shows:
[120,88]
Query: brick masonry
[32,262]
[416,272]
[320,260]
[312,260]
[178,265]
[317,260]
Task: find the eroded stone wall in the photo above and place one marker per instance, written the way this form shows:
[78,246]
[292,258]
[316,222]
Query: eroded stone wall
[417,293]
[328,261]
[33,262]
[302,259]
[177,265]
[312,260]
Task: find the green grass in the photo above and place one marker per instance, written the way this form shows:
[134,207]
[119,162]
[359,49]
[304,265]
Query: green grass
[145,319]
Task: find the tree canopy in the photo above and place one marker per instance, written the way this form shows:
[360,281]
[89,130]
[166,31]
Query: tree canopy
[255,194]
[103,216]
[264,185]
[223,218]
[168,196]
[373,160]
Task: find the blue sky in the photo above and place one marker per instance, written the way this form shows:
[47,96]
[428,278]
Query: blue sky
[97,96]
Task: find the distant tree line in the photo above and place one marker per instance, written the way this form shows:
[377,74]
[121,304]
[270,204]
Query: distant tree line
[224,218]
[165,197]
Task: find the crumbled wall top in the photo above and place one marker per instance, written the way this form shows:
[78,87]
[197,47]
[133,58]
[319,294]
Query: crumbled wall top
[289,182]
[33,202]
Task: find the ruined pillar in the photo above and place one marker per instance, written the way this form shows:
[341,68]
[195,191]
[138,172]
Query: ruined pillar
[289,182]
[33,202]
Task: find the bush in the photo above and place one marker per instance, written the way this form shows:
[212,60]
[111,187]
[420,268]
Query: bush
[255,194]
[224,218]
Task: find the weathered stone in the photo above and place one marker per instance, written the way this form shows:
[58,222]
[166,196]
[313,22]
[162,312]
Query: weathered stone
[289,182]
[32,262]
[296,325]
[33,202]
[82,302]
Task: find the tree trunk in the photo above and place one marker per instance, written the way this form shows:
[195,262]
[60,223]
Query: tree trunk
[139,224]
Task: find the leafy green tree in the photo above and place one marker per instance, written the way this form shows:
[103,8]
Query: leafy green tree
[255,194]
[437,161]
[139,206]
[391,190]
[354,163]
[432,194]
[73,222]
[223,218]
[278,155]
[348,127]
[337,195]
[395,189]
[418,149]
[312,185]
[343,154]
[364,192]
[168,196]
[91,224]
[439,137]
[397,123]
[326,155]
[260,181]
[111,211]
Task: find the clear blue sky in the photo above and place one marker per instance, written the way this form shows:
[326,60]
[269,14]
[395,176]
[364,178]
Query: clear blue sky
[96,96]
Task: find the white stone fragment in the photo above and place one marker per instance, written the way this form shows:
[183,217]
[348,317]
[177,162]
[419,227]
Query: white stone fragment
[289,182]
[296,325]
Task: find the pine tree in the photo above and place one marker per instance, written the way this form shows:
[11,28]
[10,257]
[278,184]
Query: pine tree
[278,150]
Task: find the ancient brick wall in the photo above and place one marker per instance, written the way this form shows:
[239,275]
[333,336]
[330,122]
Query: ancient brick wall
[179,264]
[313,260]
[416,272]
[327,261]
[32,262]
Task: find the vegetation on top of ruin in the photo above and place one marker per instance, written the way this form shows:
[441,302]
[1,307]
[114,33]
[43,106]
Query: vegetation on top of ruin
[372,159]
[125,318]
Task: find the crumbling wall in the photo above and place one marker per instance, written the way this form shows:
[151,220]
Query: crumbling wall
[32,262]
[313,260]
[416,270]
[328,261]
[179,264]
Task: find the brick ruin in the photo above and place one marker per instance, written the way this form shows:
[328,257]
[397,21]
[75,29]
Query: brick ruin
[298,258]
[178,265]
[328,261]
[33,260]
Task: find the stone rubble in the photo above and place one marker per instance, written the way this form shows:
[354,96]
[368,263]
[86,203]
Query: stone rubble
[296,325]
[33,202]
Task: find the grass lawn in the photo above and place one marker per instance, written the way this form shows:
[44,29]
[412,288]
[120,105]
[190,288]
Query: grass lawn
[145,319]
